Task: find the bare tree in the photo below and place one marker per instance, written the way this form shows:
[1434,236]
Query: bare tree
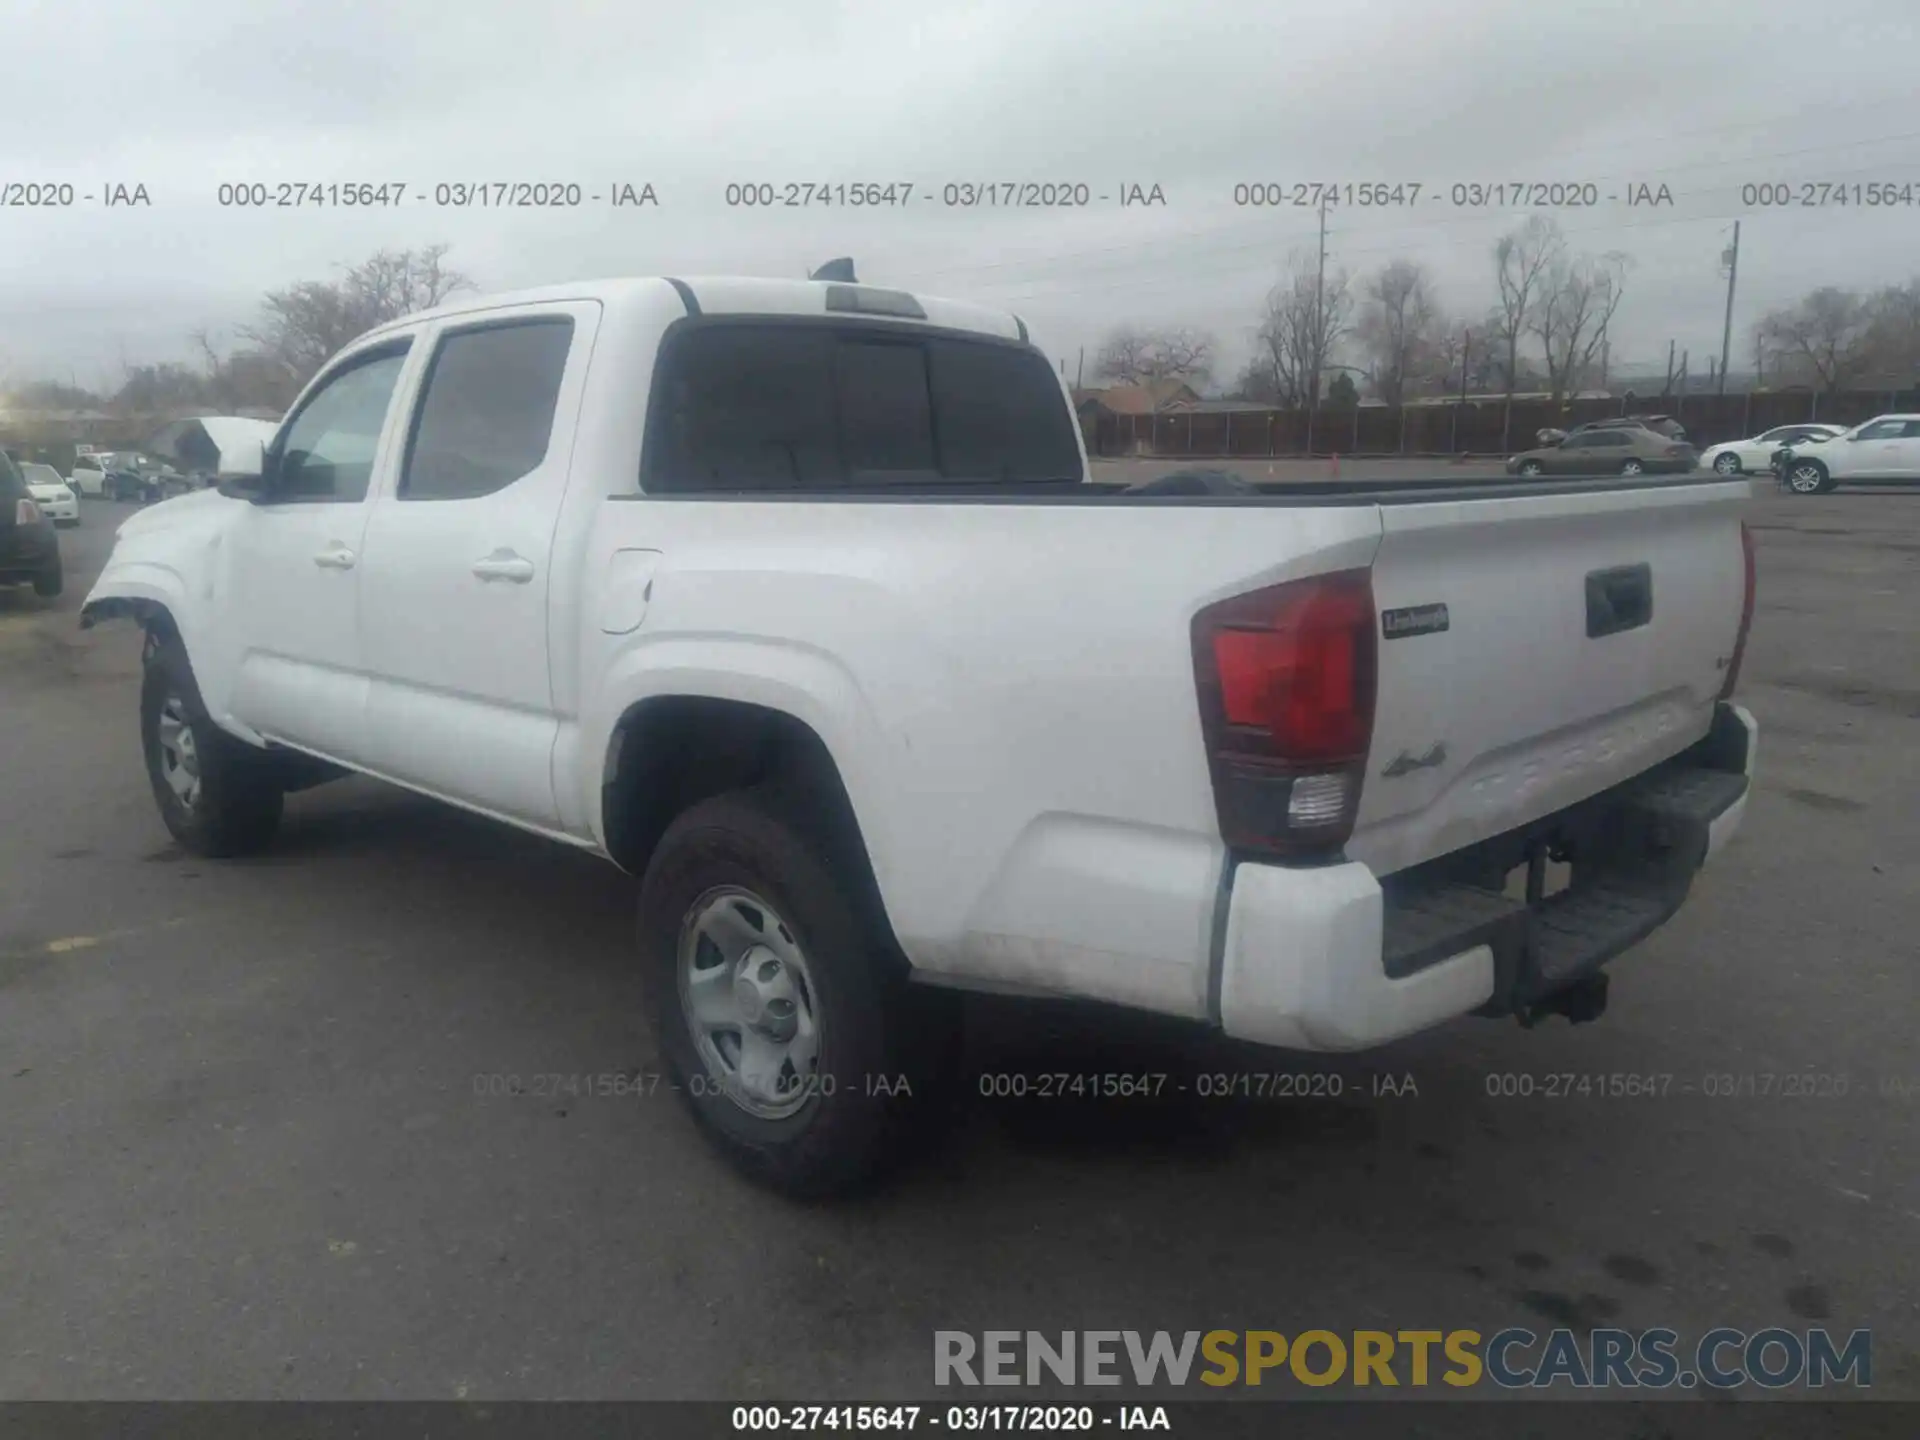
[1397,328]
[1521,262]
[1576,298]
[304,324]
[1133,356]
[1893,333]
[1303,322]
[1824,336]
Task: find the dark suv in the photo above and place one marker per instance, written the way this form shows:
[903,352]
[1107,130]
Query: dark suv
[29,545]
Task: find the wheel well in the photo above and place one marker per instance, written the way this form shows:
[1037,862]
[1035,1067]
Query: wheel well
[149,615]
[673,751]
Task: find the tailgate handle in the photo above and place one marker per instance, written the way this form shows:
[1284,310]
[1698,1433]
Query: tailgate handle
[1619,599]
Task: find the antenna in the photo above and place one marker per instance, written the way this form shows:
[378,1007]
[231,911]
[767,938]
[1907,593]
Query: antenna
[840,270]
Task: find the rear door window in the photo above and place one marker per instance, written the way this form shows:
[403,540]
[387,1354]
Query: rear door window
[486,414]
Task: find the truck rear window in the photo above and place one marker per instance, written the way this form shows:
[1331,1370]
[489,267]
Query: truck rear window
[746,406]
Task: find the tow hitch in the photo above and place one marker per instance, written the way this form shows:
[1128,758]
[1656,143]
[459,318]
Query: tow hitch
[1580,1002]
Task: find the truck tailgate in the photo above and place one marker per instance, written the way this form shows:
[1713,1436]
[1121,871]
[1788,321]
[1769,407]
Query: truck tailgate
[1584,637]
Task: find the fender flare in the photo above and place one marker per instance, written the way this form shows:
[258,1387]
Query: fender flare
[810,686]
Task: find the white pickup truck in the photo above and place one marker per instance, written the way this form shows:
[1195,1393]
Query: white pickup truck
[795,600]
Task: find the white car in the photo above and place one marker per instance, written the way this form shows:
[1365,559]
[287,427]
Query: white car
[1754,455]
[795,599]
[1884,451]
[52,494]
[89,477]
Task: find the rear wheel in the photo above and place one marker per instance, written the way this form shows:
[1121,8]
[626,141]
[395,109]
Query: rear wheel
[1529,467]
[50,581]
[218,796]
[1633,467]
[780,1004]
[1808,477]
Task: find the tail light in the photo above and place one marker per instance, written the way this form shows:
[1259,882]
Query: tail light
[1746,616]
[25,512]
[1286,679]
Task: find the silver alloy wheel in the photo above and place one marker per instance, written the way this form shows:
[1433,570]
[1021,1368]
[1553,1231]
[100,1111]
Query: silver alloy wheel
[179,752]
[1632,467]
[1727,464]
[1805,479]
[1530,467]
[749,1002]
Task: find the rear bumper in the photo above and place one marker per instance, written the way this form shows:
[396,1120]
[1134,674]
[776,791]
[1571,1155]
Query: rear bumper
[1333,958]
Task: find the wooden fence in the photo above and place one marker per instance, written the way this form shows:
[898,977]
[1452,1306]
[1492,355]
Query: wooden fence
[1482,427]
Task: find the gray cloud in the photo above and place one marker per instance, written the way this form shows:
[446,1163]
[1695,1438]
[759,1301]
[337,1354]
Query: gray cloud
[1195,98]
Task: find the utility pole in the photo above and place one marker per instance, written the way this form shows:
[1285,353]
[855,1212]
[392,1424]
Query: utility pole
[1319,327]
[1080,368]
[1731,259]
[1606,358]
[1666,386]
[1466,360]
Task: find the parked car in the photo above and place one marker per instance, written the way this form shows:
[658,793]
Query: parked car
[52,494]
[1660,424]
[1884,451]
[1607,450]
[88,478]
[29,545]
[795,600]
[1744,457]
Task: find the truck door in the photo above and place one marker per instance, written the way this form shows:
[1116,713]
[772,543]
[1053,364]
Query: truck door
[458,570]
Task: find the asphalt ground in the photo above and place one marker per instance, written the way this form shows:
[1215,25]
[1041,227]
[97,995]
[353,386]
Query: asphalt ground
[254,1141]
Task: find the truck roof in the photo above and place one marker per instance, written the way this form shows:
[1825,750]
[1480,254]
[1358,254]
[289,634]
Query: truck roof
[728,295]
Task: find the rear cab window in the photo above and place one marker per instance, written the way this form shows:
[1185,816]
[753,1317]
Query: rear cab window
[810,405]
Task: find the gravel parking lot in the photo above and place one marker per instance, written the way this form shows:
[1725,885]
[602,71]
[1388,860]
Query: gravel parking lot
[252,1140]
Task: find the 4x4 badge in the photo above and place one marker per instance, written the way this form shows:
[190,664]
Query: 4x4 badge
[1405,764]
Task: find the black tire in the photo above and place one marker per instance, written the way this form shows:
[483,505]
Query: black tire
[1632,467]
[50,581]
[884,1047]
[1530,468]
[237,806]
[1727,464]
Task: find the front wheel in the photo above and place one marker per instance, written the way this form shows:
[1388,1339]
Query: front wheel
[780,1005]
[1728,464]
[1807,477]
[218,796]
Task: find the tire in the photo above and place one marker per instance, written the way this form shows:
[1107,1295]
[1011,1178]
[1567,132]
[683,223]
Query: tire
[1529,468]
[1807,477]
[50,582]
[233,806]
[1727,464]
[856,1050]
[1633,467]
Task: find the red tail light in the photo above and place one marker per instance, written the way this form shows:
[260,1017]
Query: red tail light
[1286,683]
[1746,616]
[25,512]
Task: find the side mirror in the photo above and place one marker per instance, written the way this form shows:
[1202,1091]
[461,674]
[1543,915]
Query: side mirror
[243,487]
[251,460]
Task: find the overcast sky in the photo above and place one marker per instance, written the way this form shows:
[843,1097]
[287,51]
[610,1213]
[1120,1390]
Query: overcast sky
[1700,95]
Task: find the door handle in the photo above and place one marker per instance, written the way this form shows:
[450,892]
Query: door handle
[335,557]
[504,565]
